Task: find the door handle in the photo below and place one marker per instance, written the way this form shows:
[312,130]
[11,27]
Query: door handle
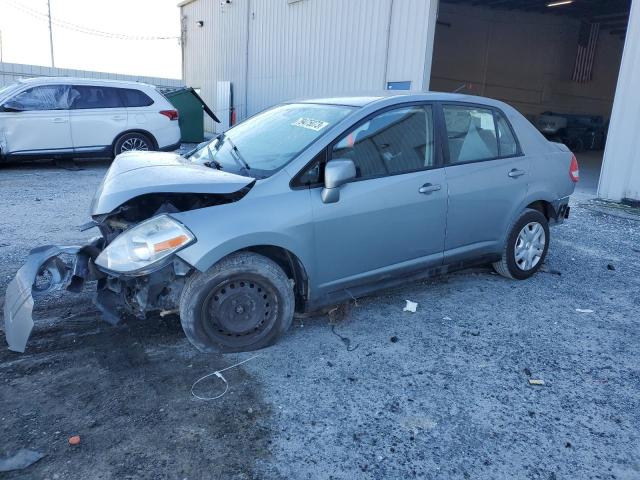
[515,173]
[428,188]
[118,117]
[59,120]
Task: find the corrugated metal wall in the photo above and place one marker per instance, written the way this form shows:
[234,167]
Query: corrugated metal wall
[10,72]
[284,49]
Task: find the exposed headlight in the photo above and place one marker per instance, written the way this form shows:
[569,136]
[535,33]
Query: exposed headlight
[144,245]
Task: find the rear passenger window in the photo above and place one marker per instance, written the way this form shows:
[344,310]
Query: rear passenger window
[471,133]
[135,98]
[507,144]
[90,96]
[396,141]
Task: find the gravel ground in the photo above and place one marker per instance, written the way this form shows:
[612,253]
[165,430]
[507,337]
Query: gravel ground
[440,393]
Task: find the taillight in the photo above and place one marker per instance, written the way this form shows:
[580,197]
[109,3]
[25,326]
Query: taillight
[170,114]
[574,171]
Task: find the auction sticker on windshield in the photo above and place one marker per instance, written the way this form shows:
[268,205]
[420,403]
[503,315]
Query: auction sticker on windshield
[310,123]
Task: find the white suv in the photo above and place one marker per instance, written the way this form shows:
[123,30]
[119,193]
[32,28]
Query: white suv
[53,117]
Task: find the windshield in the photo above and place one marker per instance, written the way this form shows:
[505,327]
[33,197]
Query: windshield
[266,142]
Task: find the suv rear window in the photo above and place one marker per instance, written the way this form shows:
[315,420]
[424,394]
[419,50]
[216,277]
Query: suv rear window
[135,98]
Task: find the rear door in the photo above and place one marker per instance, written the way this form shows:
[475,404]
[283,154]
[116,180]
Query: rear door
[97,117]
[487,177]
[36,121]
[392,216]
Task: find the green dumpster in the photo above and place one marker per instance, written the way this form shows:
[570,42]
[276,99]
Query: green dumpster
[190,110]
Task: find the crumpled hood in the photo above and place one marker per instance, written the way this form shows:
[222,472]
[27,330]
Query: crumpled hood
[138,173]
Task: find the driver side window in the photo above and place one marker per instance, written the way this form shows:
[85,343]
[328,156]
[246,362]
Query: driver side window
[393,142]
[46,97]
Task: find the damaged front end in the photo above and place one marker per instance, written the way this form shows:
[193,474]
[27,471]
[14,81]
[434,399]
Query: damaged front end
[133,262]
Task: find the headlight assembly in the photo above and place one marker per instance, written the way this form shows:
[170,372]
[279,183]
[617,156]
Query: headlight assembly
[144,245]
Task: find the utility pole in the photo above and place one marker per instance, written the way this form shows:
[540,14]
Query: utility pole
[50,33]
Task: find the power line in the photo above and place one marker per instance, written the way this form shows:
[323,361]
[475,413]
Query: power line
[81,29]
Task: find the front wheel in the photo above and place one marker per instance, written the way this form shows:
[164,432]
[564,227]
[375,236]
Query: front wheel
[526,246]
[244,302]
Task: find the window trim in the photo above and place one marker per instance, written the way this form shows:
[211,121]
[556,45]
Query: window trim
[326,152]
[495,112]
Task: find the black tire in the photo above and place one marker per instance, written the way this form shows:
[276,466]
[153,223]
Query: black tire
[244,302]
[508,266]
[133,141]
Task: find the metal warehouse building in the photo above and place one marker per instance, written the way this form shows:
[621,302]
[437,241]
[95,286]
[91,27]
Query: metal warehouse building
[577,57]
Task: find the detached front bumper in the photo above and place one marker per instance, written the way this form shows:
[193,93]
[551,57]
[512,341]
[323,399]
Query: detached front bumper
[51,268]
[47,264]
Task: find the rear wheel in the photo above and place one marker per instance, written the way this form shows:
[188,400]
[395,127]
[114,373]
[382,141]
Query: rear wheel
[132,142]
[526,246]
[244,302]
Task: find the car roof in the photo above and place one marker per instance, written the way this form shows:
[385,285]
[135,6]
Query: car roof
[363,100]
[83,81]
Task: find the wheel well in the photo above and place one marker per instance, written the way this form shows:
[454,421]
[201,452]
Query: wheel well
[136,130]
[543,207]
[292,267]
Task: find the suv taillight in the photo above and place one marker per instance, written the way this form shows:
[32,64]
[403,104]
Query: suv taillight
[574,171]
[170,114]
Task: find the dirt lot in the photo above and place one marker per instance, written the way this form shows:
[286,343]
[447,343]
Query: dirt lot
[441,393]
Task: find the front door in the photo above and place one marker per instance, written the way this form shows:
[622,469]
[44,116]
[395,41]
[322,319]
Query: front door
[487,176]
[36,121]
[391,218]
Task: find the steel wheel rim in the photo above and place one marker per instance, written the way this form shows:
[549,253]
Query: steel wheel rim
[530,245]
[240,310]
[134,143]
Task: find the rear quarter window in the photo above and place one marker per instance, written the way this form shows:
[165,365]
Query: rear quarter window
[135,98]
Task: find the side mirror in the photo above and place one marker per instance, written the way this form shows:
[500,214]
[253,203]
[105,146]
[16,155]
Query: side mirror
[336,174]
[11,107]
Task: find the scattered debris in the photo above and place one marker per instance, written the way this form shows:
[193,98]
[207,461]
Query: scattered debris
[345,340]
[410,306]
[567,445]
[217,373]
[164,313]
[536,381]
[527,372]
[21,459]
[448,319]
[610,266]
[473,333]
[75,440]
[584,310]
[545,269]
[394,339]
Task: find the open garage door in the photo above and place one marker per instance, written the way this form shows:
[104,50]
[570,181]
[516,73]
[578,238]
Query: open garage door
[555,61]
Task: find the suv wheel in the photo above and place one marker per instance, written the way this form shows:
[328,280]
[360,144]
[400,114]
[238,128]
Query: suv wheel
[132,141]
[244,302]
[526,246]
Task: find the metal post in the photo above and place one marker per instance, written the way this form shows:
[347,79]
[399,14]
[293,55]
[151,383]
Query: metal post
[0,45]
[50,33]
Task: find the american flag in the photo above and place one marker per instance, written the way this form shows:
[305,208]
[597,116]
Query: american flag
[587,42]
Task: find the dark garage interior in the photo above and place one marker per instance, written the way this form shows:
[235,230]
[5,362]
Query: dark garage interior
[555,61]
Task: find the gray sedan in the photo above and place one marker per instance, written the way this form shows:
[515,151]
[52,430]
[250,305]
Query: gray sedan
[305,205]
